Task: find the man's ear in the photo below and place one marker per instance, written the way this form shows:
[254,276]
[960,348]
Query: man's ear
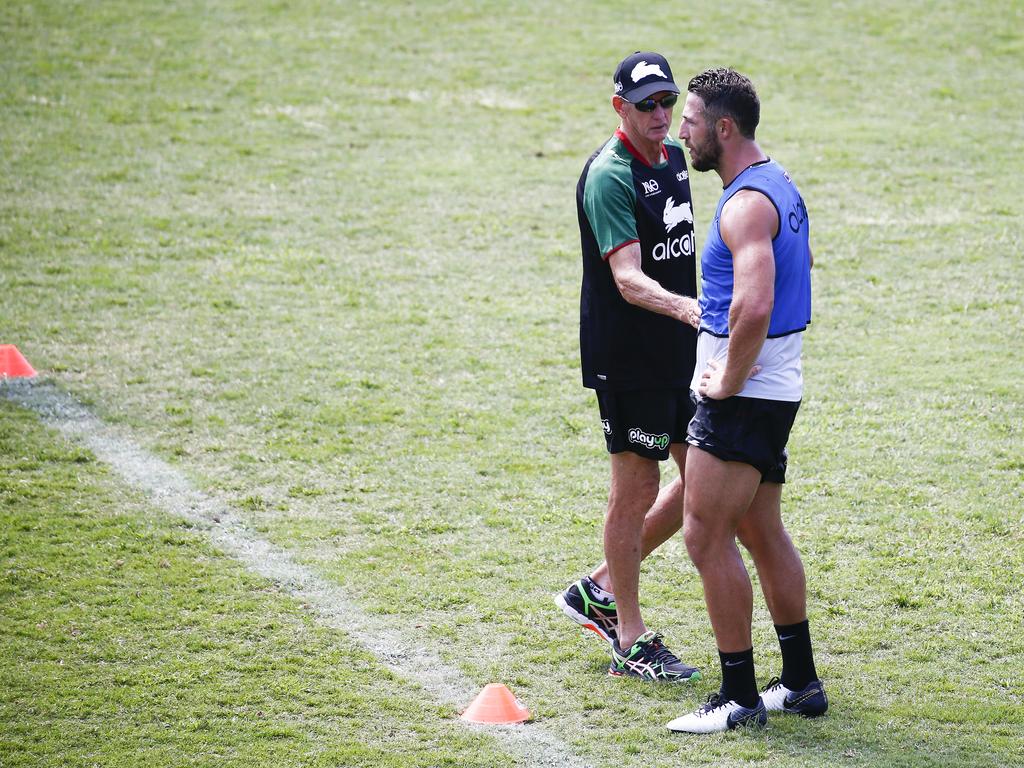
[619,105]
[725,127]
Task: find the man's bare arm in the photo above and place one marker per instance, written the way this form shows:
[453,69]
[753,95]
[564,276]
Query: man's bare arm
[749,222]
[639,289]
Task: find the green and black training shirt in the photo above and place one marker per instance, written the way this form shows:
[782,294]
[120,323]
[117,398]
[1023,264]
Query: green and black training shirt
[620,200]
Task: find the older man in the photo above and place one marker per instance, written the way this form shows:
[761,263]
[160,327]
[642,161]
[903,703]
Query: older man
[638,315]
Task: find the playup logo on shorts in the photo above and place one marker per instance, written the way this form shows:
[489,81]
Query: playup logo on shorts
[638,436]
[606,426]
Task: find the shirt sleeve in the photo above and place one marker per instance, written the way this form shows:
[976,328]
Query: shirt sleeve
[608,201]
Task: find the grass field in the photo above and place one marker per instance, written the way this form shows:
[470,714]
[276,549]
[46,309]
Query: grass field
[323,259]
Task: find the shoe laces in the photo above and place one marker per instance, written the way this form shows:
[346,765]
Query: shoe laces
[713,702]
[771,684]
[658,652]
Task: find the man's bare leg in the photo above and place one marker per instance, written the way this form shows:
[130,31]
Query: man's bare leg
[718,494]
[779,568]
[634,489]
[661,522]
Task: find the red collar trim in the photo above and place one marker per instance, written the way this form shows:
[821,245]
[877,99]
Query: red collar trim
[621,136]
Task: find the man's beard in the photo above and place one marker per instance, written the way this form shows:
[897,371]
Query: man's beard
[706,157]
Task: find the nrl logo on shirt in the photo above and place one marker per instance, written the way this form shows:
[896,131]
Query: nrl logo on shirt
[651,187]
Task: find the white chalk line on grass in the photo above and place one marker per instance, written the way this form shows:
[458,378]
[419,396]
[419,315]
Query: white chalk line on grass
[172,492]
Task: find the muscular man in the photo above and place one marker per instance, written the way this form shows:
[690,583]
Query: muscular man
[748,384]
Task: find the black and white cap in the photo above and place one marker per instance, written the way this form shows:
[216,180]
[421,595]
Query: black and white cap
[641,74]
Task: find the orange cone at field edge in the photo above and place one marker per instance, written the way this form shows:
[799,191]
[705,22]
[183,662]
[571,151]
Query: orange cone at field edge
[496,704]
[13,365]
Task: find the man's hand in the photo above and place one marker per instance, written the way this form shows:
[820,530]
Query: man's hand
[691,312]
[711,383]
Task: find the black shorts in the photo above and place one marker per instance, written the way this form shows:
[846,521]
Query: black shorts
[745,429]
[645,422]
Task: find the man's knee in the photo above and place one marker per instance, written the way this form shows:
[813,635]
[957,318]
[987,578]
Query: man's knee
[634,501]
[635,480]
[752,539]
[759,536]
[700,538]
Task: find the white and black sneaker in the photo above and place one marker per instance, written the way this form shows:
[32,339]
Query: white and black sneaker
[579,604]
[717,715]
[809,702]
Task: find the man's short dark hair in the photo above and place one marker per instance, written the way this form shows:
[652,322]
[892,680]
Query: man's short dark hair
[727,93]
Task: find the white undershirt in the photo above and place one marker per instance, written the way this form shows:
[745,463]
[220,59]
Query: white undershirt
[781,376]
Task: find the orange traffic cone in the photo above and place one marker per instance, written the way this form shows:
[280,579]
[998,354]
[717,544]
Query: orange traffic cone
[12,364]
[496,704]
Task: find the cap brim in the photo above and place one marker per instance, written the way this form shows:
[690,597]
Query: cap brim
[641,92]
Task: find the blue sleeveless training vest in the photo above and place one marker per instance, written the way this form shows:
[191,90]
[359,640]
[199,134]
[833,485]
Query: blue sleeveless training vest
[792,310]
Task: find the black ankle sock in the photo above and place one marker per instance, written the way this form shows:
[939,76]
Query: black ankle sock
[797,656]
[738,682]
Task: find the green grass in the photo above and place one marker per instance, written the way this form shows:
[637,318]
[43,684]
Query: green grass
[324,259]
[127,640]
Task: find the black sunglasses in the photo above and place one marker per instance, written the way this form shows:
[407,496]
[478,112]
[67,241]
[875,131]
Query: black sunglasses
[648,105]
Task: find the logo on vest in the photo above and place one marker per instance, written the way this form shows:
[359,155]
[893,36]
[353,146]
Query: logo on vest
[676,214]
[638,436]
[651,187]
[797,215]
